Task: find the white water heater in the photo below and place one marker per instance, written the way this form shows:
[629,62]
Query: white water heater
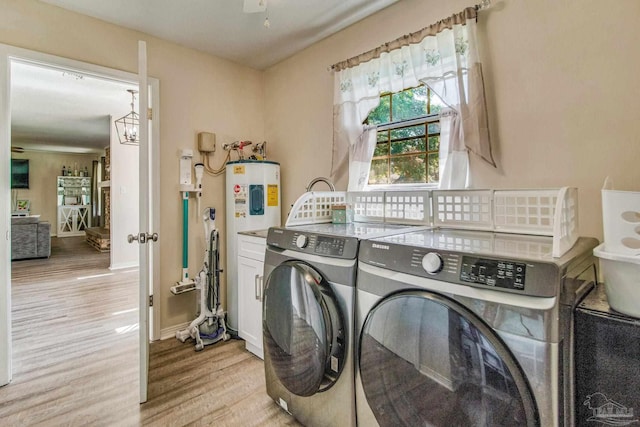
[252,203]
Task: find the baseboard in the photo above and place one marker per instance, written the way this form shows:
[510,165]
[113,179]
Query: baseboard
[124,265]
[170,332]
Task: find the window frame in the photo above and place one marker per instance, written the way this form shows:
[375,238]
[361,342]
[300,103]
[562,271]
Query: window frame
[425,120]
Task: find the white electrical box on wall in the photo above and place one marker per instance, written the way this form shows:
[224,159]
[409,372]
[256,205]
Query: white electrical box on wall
[185,168]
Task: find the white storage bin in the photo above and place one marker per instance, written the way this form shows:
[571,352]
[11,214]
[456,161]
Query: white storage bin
[621,274]
[621,221]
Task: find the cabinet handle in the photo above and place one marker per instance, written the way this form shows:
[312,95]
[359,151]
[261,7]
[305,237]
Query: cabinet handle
[256,286]
[261,288]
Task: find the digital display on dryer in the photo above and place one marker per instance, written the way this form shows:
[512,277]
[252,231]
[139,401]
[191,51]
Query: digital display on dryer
[494,273]
[331,246]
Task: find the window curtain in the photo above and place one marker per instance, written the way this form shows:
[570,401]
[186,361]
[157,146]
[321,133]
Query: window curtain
[444,56]
[360,155]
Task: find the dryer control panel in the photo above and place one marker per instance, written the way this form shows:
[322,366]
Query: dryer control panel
[313,243]
[507,275]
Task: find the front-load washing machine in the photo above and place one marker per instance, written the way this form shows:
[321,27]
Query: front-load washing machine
[467,328]
[308,303]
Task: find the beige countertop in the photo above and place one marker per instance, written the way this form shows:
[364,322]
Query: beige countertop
[255,233]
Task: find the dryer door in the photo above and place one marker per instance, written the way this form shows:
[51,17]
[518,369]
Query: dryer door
[303,328]
[424,359]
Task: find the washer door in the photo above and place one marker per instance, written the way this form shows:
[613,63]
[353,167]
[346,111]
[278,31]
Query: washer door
[425,359]
[303,328]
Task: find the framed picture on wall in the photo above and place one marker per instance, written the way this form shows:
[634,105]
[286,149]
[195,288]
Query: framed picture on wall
[23,205]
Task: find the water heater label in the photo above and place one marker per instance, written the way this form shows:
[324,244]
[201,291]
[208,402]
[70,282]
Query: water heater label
[240,200]
[238,169]
[272,195]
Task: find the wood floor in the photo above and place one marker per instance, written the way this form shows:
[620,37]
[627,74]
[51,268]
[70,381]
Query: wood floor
[75,355]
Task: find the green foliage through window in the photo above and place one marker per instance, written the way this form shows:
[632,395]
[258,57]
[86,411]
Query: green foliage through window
[406,153]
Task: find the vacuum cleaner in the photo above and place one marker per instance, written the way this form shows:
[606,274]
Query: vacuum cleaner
[210,326]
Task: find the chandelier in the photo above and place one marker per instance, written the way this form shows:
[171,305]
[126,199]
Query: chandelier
[127,126]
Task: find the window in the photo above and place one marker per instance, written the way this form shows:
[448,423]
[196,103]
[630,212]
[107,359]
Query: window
[408,138]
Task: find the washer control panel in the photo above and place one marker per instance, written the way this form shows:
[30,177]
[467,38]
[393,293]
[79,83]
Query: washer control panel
[491,272]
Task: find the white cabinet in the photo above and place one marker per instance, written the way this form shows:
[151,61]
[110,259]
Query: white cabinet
[73,220]
[74,205]
[251,250]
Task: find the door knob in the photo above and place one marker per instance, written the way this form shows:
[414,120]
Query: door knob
[142,237]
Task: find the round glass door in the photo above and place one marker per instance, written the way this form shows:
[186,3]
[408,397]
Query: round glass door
[302,328]
[424,359]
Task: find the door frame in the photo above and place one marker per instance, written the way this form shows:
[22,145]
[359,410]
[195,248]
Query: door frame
[8,54]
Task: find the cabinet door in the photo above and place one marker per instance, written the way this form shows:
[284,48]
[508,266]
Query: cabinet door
[250,286]
[82,220]
[73,220]
[66,220]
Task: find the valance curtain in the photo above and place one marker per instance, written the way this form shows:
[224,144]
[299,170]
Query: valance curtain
[443,56]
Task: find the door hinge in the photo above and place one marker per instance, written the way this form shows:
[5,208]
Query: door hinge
[150,114]
[150,300]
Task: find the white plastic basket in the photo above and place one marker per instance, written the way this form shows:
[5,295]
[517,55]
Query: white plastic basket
[547,212]
[621,221]
[367,206]
[621,274]
[467,209]
[543,212]
[408,207]
[532,211]
[315,207]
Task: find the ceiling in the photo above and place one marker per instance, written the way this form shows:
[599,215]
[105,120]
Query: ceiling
[57,110]
[222,28]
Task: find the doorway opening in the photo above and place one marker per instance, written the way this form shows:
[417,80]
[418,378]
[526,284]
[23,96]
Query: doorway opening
[61,124]
[73,276]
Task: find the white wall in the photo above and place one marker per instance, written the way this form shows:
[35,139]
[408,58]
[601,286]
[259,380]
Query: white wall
[561,84]
[124,201]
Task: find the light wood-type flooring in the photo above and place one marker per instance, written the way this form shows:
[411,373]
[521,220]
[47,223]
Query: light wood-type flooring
[75,355]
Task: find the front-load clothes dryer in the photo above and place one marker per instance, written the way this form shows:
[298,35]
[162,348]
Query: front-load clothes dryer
[308,303]
[464,328]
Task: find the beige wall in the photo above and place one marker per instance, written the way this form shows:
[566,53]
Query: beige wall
[561,82]
[44,168]
[198,92]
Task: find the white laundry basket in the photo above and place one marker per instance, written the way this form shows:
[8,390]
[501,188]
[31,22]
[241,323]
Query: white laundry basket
[621,221]
[621,275]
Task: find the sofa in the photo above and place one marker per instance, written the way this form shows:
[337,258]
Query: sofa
[30,237]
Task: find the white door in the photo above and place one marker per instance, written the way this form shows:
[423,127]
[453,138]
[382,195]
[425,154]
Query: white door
[149,196]
[145,237]
[5,223]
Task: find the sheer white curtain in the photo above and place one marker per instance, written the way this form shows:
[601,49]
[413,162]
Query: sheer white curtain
[444,56]
[360,155]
